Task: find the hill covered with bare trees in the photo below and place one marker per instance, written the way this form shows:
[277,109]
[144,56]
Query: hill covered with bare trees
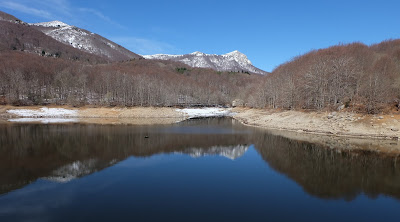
[27,79]
[354,76]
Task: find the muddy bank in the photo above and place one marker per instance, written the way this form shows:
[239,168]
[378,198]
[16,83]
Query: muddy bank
[325,123]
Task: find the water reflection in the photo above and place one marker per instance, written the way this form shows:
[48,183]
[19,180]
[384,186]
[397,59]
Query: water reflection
[65,152]
[332,173]
[62,153]
[230,152]
[75,170]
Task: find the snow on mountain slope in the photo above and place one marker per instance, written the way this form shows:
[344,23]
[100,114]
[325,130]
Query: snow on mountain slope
[234,61]
[85,40]
[53,24]
[78,169]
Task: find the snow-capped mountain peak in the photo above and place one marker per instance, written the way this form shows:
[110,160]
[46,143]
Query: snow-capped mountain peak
[53,24]
[197,53]
[84,40]
[236,52]
[239,57]
[233,62]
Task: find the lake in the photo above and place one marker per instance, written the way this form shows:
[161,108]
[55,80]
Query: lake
[198,170]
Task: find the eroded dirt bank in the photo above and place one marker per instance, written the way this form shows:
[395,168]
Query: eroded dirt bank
[328,123]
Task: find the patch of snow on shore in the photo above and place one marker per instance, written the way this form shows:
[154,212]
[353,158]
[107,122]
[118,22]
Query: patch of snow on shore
[205,112]
[44,112]
[43,120]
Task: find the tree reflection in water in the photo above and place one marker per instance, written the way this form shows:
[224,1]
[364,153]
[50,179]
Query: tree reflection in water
[65,152]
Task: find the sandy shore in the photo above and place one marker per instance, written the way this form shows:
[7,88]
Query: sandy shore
[324,123]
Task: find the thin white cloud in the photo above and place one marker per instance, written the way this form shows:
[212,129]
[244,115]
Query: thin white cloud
[56,9]
[59,7]
[61,4]
[95,12]
[144,46]
[25,9]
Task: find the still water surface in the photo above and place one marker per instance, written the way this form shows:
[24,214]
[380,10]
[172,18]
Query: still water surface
[197,170]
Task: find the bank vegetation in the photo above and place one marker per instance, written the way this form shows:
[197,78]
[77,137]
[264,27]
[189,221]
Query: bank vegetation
[355,76]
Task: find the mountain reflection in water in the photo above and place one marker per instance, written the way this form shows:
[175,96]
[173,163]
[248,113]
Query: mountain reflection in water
[62,153]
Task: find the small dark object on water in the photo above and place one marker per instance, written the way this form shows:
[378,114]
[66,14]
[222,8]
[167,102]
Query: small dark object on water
[146,137]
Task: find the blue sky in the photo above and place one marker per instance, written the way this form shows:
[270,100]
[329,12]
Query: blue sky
[268,32]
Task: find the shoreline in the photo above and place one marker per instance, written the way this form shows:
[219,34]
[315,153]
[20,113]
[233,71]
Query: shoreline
[341,131]
[104,115]
[89,115]
[296,125]
[337,124]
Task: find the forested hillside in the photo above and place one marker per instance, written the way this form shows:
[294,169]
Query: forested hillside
[28,79]
[37,69]
[354,76]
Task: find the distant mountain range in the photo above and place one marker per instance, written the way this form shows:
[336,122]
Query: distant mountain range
[85,40]
[58,39]
[232,62]
[20,36]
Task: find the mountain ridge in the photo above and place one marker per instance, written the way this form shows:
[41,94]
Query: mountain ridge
[234,61]
[17,35]
[9,18]
[85,40]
